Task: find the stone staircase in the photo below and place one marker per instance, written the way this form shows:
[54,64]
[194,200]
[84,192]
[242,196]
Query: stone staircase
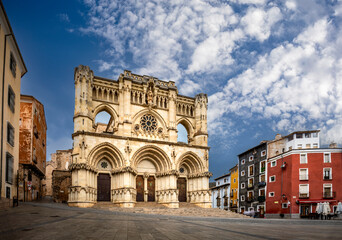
[185,209]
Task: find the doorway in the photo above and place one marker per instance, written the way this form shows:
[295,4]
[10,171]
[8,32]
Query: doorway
[305,209]
[151,188]
[103,187]
[140,188]
[181,186]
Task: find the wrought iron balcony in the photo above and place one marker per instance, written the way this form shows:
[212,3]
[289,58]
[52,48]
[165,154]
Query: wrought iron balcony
[250,199]
[304,195]
[261,198]
[261,184]
[329,194]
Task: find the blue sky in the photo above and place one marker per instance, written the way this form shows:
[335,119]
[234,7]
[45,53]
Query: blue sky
[267,66]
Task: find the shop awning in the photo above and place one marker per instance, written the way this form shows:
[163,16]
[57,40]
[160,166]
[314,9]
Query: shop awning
[315,201]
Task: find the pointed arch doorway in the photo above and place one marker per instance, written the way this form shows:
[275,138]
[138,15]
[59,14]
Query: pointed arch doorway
[181,186]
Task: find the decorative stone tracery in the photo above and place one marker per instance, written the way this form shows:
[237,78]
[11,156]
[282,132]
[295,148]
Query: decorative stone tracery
[138,142]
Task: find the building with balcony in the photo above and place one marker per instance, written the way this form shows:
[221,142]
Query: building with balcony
[220,195]
[252,179]
[12,69]
[32,153]
[300,178]
[234,188]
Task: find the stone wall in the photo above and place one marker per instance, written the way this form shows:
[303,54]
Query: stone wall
[59,161]
[61,181]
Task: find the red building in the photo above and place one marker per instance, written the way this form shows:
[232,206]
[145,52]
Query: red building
[299,179]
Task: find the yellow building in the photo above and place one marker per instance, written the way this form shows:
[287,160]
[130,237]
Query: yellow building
[12,69]
[234,186]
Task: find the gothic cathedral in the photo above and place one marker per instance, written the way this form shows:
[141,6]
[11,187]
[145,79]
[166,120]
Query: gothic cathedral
[136,156]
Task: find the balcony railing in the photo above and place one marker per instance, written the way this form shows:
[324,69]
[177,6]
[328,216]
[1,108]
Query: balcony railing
[329,194]
[261,184]
[250,199]
[327,178]
[303,195]
[261,198]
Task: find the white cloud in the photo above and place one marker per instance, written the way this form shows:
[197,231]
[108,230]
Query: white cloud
[64,17]
[296,83]
[258,22]
[281,57]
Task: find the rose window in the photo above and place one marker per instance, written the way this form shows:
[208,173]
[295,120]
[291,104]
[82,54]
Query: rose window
[104,164]
[148,123]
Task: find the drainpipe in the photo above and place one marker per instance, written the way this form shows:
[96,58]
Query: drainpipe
[2,109]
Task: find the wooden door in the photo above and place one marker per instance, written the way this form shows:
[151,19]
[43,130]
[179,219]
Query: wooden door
[103,187]
[181,186]
[305,210]
[151,187]
[140,188]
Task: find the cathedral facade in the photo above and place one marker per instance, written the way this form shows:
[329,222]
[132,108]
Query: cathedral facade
[136,156]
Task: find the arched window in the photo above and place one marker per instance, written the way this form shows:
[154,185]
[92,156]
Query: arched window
[94,92]
[182,133]
[103,122]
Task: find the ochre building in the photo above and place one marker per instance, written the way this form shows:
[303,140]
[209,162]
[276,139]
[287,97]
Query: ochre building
[32,149]
[136,156]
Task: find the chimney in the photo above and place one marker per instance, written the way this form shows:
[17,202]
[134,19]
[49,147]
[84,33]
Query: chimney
[333,145]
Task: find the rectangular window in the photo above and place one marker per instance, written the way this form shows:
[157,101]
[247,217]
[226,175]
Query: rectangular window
[327,191]
[307,135]
[10,134]
[13,65]
[284,205]
[262,192]
[327,158]
[250,170]
[303,158]
[243,173]
[299,135]
[314,135]
[262,166]
[271,194]
[243,161]
[327,174]
[8,192]
[243,185]
[11,99]
[262,178]
[315,145]
[308,145]
[242,198]
[272,178]
[303,174]
[250,182]
[263,153]
[299,146]
[274,163]
[9,168]
[303,190]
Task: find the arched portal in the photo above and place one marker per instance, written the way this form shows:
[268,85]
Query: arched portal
[149,161]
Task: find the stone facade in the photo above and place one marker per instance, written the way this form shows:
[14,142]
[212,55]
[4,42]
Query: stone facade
[61,182]
[137,155]
[60,160]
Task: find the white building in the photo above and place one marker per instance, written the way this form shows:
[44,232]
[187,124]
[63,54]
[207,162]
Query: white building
[302,139]
[220,193]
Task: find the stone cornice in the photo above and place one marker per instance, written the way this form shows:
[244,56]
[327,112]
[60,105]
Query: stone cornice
[79,166]
[135,139]
[167,173]
[198,175]
[124,170]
